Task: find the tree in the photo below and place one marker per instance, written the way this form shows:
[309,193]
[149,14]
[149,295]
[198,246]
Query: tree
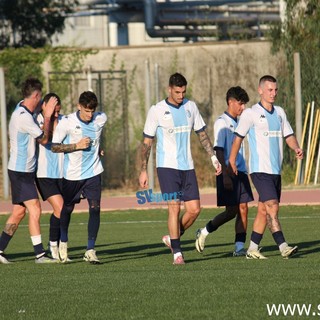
[299,32]
[32,22]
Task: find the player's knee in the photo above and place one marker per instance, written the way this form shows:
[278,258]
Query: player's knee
[94,207]
[231,212]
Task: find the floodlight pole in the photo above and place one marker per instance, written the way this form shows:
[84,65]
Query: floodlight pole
[4,135]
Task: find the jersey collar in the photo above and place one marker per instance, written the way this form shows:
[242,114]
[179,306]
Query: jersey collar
[272,110]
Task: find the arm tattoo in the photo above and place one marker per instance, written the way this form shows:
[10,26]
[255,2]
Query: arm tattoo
[10,228]
[206,143]
[145,153]
[60,147]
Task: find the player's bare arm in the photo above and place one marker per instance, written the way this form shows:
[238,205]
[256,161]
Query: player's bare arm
[83,144]
[207,145]
[233,154]
[293,144]
[47,110]
[145,154]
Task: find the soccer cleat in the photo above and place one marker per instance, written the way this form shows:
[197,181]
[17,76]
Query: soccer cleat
[166,240]
[54,250]
[200,241]
[3,259]
[255,254]
[45,259]
[178,260]
[240,253]
[289,251]
[90,256]
[63,252]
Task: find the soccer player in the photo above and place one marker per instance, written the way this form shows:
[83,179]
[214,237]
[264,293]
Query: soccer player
[233,191]
[24,133]
[78,136]
[49,177]
[172,121]
[266,125]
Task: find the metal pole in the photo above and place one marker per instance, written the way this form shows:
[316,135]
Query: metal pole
[297,89]
[4,136]
[148,104]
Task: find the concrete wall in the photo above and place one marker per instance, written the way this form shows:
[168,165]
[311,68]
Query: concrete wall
[210,68]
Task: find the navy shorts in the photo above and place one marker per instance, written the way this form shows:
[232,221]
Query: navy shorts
[182,182]
[23,186]
[49,187]
[268,186]
[74,191]
[241,192]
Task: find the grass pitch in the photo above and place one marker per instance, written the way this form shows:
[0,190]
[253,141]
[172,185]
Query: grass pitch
[138,281]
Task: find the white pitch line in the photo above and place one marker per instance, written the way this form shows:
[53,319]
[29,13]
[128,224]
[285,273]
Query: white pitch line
[165,221]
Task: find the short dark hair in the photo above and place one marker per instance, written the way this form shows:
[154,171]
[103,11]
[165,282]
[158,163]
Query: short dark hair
[49,95]
[177,80]
[238,94]
[267,78]
[29,86]
[88,100]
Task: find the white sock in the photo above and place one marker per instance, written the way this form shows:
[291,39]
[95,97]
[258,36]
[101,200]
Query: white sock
[239,245]
[36,239]
[253,246]
[204,231]
[53,243]
[283,246]
[176,255]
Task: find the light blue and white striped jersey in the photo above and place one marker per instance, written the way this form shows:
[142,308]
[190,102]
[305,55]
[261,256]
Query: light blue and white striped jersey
[173,125]
[224,128]
[50,164]
[23,132]
[81,164]
[266,131]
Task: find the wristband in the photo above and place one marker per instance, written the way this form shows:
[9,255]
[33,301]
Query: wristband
[215,162]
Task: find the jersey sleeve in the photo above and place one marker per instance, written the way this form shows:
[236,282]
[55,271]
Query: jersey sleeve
[199,123]
[245,123]
[286,127]
[220,131]
[151,123]
[101,119]
[60,131]
[28,125]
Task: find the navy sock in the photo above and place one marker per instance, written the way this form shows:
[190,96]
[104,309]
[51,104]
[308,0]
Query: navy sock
[65,221]
[240,237]
[4,241]
[211,227]
[256,237]
[38,249]
[94,222]
[175,245]
[278,237]
[54,232]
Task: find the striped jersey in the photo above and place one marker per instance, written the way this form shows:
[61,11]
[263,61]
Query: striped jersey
[81,164]
[172,125]
[50,164]
[23,132]
[224,128]
[266,131]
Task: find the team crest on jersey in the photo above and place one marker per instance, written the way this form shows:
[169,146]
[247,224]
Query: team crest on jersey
[188,113]
[77,130]
[167,115]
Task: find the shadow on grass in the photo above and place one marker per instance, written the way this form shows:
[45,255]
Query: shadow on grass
[125,251]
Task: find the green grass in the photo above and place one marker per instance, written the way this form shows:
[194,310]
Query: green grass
[138,281]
